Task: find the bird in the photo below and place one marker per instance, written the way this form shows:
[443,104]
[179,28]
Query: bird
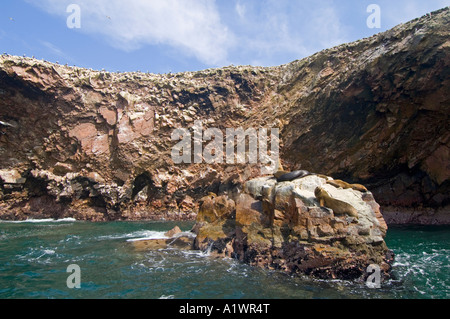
[108,17]
[5,124]
[11,19]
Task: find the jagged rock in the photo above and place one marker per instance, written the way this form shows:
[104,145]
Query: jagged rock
[62,169]
[173,232]
[282,226]
[11,176]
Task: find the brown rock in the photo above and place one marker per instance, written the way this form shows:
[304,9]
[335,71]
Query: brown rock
[173,232]
[248,211]
[11,176]
[213,209]
[151,244]
[62,169]
[110,116]
[179,242]
[300,238]
[188,204]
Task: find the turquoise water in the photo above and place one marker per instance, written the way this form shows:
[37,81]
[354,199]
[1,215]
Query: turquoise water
[34,257]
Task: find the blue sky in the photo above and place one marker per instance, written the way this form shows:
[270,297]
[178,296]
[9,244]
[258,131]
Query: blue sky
[162,36]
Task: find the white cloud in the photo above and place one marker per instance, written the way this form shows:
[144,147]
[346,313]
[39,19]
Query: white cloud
[240,9]
[192,26]
[279,31]
[217,32]
[56,51]
[326,28]
[52,48]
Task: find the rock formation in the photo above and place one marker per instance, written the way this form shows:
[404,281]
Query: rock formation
[174,238]
[282,225]
[97,145]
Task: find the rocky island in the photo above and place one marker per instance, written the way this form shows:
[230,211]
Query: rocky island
[96,145]
[305,226]
[310,225]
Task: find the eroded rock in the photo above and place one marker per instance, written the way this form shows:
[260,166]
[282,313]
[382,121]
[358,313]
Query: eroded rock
[282,226]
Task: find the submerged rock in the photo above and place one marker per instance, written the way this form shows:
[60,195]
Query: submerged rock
[174,238]
[176,230]
[282,226]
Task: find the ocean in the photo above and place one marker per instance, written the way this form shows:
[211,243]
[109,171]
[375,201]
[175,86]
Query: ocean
[35,256]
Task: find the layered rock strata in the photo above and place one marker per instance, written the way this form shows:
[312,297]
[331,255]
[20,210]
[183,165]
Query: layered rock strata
[97,145]
[282,226]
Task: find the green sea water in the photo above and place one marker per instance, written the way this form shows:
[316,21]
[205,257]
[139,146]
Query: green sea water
[34,257]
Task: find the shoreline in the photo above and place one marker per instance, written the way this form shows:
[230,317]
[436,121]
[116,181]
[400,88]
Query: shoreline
[394,216]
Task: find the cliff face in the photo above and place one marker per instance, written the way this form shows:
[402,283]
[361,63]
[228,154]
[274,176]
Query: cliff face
[379,114]
[97,145]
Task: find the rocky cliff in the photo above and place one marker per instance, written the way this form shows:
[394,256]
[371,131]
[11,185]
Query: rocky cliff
[97,145]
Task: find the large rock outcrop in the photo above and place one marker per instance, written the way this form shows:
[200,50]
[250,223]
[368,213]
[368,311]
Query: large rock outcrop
[97,145]
[283,226]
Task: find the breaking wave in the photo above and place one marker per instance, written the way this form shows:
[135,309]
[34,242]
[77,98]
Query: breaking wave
[45,220]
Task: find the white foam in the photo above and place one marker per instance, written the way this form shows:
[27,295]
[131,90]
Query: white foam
[147,235]
[45,220]
[46,252]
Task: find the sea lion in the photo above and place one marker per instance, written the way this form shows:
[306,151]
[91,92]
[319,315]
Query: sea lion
[280,170]
[338,183]
[325,177]
[359,187]
[278,174]
[292,175]
[339,207]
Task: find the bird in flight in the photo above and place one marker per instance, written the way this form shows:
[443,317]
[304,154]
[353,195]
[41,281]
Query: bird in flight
[5,124]
[11,19]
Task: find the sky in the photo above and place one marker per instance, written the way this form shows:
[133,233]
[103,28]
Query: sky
[162,36]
